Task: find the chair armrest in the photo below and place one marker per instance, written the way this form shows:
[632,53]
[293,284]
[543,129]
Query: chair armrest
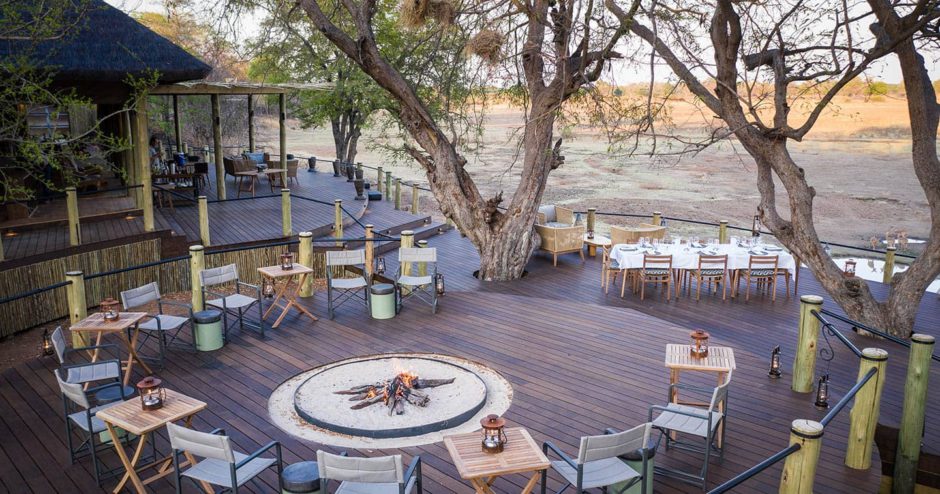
[413,468]
[691,387]
[176,304]
[266,447]
[549,446]
[248,285]
[218,430]
[214,294]
[703,416]
[610,430]
[118,383]
[89,364]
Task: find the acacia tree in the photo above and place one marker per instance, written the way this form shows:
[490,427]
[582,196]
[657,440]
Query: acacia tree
[547,49]
[768,57]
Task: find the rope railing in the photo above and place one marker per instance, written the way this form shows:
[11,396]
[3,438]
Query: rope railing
[756,469]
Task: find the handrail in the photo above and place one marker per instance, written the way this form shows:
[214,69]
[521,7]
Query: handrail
[835,332]
[887,336]
[36,291]
[848,396]
[756,469]
[136,267]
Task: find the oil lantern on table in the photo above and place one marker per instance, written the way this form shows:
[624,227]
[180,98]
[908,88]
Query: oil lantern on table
[849,270]
[494,434]
[775,363]
[152,394]
[287,261]
[109,307]
[46,345]
[822,392]
[699,346]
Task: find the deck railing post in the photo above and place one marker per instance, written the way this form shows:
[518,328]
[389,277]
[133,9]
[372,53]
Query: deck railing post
[414,198]
[203,203]
[657,218]
[141,149]
[370,250]
[305,257]
[282,134]
[591,219]
[1,248]
[889,264]
[422,266]
[723,232]
[197,262]
[407,240]
[338,220]
[286,227]
[799,469]
[864,415]
[804,364]
[397,193]
[388,186]
[378,180]
[71,204]
[78,307]
[912,415]
[217,147]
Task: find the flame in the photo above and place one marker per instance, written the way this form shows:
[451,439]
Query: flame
[408,378]
[371,393]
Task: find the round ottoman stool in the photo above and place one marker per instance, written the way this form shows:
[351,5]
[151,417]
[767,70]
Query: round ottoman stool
[301,478]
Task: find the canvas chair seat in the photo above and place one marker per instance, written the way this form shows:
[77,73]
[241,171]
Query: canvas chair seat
[167,322]
[376,488]
[695,426]
[598,473]
[98,371]
[349,283]
[97,425]
[218,472]
[233,301]
[415,280]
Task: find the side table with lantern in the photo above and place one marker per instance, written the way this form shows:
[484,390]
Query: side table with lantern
[279,280]
[123,324]
[481,459]
[593,241]
[716,359]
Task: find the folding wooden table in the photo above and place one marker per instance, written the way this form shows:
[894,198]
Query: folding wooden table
[130,417]
[275,273]
[720,360]
[521,455]
[126,321]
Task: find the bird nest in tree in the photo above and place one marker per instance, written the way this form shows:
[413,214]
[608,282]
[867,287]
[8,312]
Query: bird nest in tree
[416,13]
[488,45]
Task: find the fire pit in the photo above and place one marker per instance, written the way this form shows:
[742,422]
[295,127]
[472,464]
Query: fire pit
[389,400]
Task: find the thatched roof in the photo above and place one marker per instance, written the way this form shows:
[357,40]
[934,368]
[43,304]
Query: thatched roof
[104,47]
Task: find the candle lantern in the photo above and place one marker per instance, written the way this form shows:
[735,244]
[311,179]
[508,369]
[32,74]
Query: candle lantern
[152,394]
[699,346]
[46,345]
[849,270]
[494,434]
[380,265]
[755,226]
[590,234]
[267,287]
[287,261]
[822,392]
[109,307]
[439,284]
[775,363]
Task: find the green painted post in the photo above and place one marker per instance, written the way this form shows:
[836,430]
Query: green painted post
[804,364]
[864,415]
[912,415]
[799,469]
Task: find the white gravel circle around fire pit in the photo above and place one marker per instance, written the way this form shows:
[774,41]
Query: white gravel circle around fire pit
[314,390]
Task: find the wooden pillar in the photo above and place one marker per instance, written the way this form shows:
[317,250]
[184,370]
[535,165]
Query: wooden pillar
[397,193]
[177,125]
[804,364]
[799,469]
[864,415]
[217,147]
[338,220]
[407,241]
[370,250]
[2,258]
[197,262]
[142,150]
[378,180]
[204,220]
[592,219]
[388,186]
[129,157]
[414,198]
[286,229]
[305,257]
[657,218]
[251,123]
[71,204]
[282,133]
[723,232]
[889,264]
[78,306]
[912,415]
[422,266]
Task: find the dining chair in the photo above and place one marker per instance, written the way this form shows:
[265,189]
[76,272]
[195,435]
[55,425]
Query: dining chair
[762,270]
[379,475]
[610,268]
[713,269]
[657,269]
[598,464]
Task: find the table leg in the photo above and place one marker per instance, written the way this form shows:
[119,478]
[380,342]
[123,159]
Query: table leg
[277,296]
[132,355]
[94,353]
[481,486]
[532,481]
[592,250]
[129,463]
[673,394]
[292,300]
[721,408]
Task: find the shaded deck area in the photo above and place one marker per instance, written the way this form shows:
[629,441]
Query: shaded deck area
[579,361]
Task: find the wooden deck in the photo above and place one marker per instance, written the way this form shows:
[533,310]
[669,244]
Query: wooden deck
[579,361]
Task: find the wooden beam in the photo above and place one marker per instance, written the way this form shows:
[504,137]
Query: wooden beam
[71,206]
[204,221]
[282,131]
[251,123]
[142,150]
[217,146]
[804,363]
[197,262]
[78,307]
[177,126]
[305,257]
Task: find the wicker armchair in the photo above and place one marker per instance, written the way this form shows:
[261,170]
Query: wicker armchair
[236,165]
[561,240]
[555,216]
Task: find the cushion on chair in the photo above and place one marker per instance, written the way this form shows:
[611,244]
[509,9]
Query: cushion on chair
[597,473]
[656,272]
[712,272]
[762,272]
[684,423]
[555,224]
[233,301]
[414,280]
[377,488]
[218,472]
[549,212]
[97,425]
[93,372]
[348,283]
[166,322]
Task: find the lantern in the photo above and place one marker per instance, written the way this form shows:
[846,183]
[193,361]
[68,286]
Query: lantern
[755,226]
[494,435]
[590,234]
[267,287]
[439,284]
[110,308]
[822,392]
[46,346]
[849,270]
[699,346]
[380,265]
[775,363]
[152,394]
[287,261]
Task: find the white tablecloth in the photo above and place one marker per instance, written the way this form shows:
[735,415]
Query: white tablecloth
[630,256]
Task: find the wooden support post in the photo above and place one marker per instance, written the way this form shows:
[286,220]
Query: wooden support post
[204,220]
[657,218]
[2,258]
[78,306]
[407,241]
[305,257]
[71,204]
[282,133]
[414,198]
[889,264]
[799,469]
[422,266]
[370,250]
[251,124]
[723,232]
[864,415]
[912,415]
[286,229]
[592,220]
[142,150]
[804,364]
[378,180]
[388,186]
[197,262]
[338,220]
[177,125]
[217,147]
[397,194]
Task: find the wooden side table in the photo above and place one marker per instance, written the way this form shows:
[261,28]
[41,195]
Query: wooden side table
[720,360]
[521,455]
[594,243]
[122,327]
[240,182]
[275,273]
